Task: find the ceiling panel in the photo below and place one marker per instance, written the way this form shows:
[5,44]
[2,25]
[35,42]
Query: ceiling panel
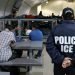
[5,6]
[33,2]
[27,5]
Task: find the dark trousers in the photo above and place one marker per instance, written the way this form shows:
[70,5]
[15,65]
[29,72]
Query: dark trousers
[38,53]
[28,53]
[16,54]
[58,70]
[13,70]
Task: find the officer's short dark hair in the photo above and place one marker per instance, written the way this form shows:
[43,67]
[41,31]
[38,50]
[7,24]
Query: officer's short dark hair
[68,13]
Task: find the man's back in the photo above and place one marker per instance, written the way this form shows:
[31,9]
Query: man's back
[66,28]
[36,35]
[5,39]
[64,38]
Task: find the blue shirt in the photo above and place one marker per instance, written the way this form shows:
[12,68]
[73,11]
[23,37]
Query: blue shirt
[36,35]
[18,39]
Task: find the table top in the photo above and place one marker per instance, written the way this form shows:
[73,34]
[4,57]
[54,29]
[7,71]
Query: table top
[37,45]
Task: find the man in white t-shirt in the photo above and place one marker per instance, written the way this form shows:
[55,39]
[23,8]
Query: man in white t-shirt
[28,31]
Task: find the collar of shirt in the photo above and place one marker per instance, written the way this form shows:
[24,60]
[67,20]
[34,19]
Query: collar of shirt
[68,21]
[7,30]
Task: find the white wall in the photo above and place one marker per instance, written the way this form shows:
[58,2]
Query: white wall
[33,10]
[24,9]
[5,7]
[56,7]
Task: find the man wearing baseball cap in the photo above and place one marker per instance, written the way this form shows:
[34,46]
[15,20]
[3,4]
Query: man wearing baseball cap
[61,44]
[68,13]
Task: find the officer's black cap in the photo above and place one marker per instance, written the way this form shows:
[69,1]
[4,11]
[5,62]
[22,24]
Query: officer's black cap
[68,13]
[67,10]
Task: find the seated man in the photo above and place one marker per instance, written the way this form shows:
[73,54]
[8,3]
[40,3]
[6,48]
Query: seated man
[17,53]
[7,38]
[36,35]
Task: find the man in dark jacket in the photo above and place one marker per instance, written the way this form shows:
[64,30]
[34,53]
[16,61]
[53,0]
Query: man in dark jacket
[61,44]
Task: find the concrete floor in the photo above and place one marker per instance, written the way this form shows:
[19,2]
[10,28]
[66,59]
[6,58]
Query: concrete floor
[46,69]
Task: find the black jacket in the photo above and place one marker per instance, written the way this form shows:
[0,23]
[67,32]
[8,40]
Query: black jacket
[61,41]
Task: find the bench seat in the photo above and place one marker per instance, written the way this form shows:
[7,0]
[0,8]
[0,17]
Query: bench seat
[22,62]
